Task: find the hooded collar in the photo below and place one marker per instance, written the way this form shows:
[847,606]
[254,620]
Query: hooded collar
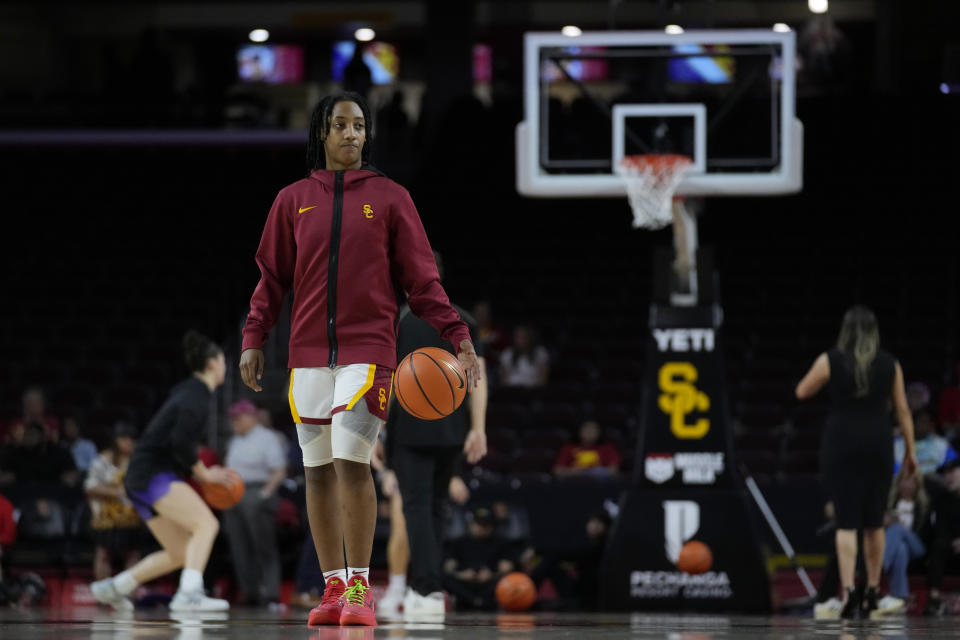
[350,176]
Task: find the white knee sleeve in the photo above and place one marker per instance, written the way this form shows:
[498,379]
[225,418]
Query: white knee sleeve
[354,433]
[315,443]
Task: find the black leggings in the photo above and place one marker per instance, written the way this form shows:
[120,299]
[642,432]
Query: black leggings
[423,474]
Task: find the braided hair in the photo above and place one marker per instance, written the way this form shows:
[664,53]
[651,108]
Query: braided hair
[320,125]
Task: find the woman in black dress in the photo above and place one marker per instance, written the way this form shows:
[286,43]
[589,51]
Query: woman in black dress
[857,447]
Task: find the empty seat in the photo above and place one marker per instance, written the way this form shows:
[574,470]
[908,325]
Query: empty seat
[507,415]
[800,462]
[759,461]
[563,415]
[763,416]
[496,462]
[551,439]
[502,440]
[75,395]
[128,395]
[533,461]
[758,441]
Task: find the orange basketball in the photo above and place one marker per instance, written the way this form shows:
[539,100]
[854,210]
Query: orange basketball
[221,496]
[516,592]
[430,383]
[695,558]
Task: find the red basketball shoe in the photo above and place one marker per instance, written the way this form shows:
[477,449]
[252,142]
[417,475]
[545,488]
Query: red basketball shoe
[331,605]
[358,604]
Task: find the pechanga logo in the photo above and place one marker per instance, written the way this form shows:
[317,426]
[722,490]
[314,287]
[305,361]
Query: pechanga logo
[681,520]
[680,398]
[658,468]
[684,340]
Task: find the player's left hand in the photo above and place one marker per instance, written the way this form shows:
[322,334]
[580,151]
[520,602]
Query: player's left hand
[475,446]
[470,363]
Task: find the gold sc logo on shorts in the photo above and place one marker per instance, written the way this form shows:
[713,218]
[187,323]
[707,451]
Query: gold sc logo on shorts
[383,399]
[681,398]
[367,211]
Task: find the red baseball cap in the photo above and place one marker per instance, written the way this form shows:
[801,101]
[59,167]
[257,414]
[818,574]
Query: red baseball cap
[241,407]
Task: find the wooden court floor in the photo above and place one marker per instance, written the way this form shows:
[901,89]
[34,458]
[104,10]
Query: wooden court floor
[255,624]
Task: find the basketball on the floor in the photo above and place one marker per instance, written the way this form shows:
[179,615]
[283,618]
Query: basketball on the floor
[516,592]
[220,496]
[430,383]
[695,558]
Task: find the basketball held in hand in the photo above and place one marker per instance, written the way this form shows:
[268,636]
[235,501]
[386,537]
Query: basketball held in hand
[220,496]
[516,592]
[695,558]
[430,383]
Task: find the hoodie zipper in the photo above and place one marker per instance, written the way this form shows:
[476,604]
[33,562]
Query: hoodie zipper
[334,262]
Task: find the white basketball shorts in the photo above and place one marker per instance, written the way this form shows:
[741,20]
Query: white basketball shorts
[339,411]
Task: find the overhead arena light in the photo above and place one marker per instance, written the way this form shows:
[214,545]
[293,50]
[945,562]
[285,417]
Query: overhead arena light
[781,27]
[818,6]
[571,31]
[673,29]
[365,34]
[259,35]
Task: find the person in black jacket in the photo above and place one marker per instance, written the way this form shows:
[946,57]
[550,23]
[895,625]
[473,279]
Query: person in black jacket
[424,456]
[164,459]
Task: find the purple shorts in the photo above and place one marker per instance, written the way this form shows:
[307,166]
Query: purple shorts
[158,487]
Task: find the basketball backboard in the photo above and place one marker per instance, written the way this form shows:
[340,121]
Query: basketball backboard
[723,97]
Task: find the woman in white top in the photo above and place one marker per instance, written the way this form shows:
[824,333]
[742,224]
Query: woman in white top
[526,363]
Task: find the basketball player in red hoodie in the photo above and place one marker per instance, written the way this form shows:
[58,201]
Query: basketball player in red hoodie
[341,238]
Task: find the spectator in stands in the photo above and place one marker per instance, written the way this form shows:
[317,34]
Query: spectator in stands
[492,336]
[933,451]
[475,563]
[34,410]
[575,573]
[512,522]
[944,490]
[907,511]
[37,465]
[265,419]
[116,526]
[256,453]
[918,396]
[588,456]
[8,529]
[526,363]
[949,407]
[84,452]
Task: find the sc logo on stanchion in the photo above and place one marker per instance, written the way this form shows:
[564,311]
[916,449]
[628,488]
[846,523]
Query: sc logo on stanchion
[680,398]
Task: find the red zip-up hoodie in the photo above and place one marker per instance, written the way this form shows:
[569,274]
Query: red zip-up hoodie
[341,239]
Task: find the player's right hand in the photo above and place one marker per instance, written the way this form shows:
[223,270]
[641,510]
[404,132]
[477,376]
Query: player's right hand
[251,368]
[470,363]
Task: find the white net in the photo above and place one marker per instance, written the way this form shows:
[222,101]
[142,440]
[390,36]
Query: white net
[651,181]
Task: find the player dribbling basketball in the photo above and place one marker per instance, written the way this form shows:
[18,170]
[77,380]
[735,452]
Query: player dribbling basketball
[341,238]
[164,458]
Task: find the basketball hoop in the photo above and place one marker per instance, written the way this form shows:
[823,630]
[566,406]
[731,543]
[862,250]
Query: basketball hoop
[651,181]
